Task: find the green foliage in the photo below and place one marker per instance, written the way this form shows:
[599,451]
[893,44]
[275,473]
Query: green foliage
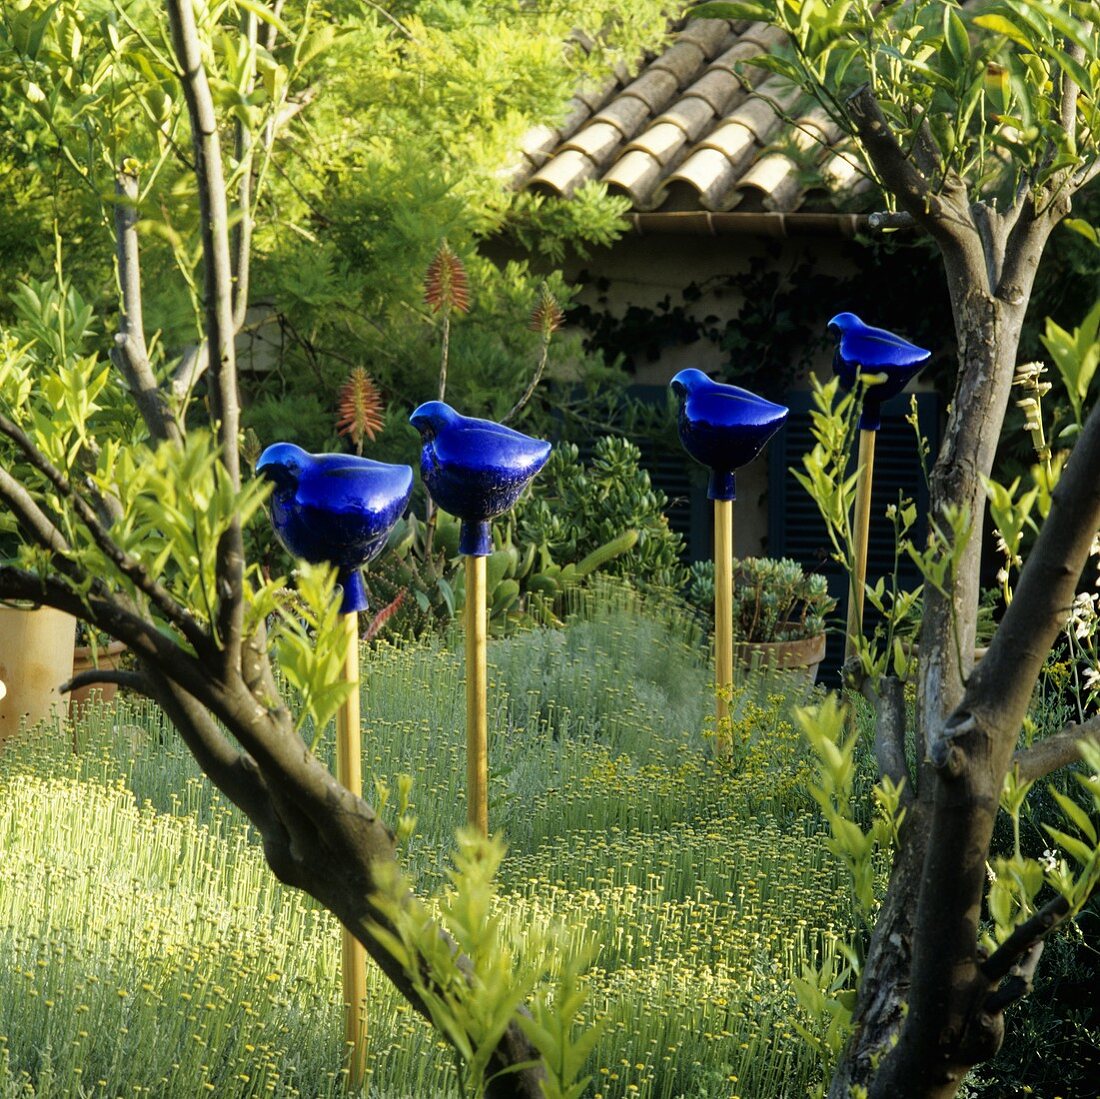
[974,82]
[826,989]
[1076,354]
[310,643]
[524,584]
[826,478]
[773,600]
[473,1004]
[576,508]
[702,889]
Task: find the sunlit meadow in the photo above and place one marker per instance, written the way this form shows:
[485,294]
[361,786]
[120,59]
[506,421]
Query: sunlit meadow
[146,950]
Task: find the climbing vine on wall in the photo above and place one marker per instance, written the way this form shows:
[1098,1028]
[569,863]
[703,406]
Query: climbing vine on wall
[778,329]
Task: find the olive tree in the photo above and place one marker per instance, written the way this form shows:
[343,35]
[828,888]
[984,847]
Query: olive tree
[980,124]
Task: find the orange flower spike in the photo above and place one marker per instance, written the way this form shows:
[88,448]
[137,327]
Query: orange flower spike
[446,287]
[359,408]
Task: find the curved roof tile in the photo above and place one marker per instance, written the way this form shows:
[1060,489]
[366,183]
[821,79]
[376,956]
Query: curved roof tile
[698,127]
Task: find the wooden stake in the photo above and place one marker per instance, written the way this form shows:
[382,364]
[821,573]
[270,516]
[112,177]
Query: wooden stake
[477,752]
[723,614]
[861,527]
[349,771]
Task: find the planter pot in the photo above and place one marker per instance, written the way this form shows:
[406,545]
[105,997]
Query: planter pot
[36,657]
[803,656]
[84,659]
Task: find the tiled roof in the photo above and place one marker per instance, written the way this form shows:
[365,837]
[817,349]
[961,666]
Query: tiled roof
[699,129]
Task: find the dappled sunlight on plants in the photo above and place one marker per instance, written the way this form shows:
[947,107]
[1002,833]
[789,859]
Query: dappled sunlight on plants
[154,951]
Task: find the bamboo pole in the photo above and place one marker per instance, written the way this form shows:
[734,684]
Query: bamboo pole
[349,771]
[723,615]
[862,522]
[477,753]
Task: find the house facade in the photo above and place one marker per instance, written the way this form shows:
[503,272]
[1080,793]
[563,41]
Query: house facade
[748,230]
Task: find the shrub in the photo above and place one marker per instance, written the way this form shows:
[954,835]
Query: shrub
[576,507]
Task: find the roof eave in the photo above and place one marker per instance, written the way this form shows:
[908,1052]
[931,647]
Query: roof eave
[758,224]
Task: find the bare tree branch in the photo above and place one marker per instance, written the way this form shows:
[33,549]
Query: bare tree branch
[999,964]
[890,219]
[108,613]
[1054,752]
[30,516]
[970,763]
[1069,94]
[188,370]
[130,353]
[939,213]
[1018,983]
[218,278]
[242,232]
[233,772]
[94,677]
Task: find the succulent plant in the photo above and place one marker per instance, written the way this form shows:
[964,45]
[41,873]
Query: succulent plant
[773,598]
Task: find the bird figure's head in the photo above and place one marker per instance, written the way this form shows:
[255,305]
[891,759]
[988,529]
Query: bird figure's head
[687,380]
[841,323]
[431,417]
[282,464]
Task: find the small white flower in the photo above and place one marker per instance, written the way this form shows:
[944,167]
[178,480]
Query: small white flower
[1092,679]
[1082,615]
[1049,860]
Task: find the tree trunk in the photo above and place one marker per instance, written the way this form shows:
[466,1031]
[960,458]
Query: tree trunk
[987,330]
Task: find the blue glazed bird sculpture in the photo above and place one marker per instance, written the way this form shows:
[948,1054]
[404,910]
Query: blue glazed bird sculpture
[475,469]
[336,508]
[723,427]
[863,351]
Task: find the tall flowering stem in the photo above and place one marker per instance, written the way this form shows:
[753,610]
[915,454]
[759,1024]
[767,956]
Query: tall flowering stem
[546,318]
[446,291]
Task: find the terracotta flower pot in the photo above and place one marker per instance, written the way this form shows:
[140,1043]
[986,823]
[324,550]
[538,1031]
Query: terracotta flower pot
[84,659]
[804,655]
[36,654]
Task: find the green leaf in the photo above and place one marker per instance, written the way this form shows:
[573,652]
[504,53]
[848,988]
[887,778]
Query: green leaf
[1081,852]
[1073,812]
[1000,25]
[1088,231]
[265,15]
[958,43]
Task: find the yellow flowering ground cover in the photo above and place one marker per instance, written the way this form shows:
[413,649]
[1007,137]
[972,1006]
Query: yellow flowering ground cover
[146,950]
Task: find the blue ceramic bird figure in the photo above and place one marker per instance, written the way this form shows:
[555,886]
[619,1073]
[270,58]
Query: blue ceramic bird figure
[336,508]
[475,469]
[723,427]
[863,350]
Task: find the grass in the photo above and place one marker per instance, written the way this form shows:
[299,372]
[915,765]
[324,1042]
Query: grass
[149,951]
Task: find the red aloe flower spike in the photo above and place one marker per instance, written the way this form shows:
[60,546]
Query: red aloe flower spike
[359,408]
[446,287]
[384,615]
[547,316]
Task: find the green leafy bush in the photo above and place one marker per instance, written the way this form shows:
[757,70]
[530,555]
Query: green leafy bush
[575,508]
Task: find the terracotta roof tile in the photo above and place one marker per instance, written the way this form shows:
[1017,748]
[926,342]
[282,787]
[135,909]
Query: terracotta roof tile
[636,175]
[691,114]
[598,140]
[775,179]
[718,90]
[697,127]
[655,88]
